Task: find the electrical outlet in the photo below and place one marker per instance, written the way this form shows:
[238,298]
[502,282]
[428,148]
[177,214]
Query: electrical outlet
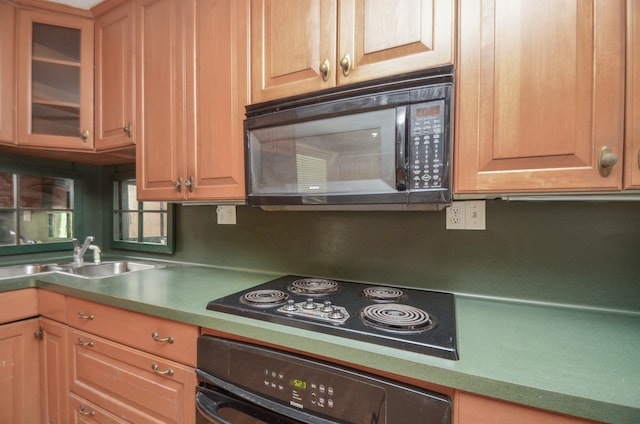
[226,214]
[467,215]
[456,216]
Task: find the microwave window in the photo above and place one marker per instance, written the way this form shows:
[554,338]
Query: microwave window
[346,154]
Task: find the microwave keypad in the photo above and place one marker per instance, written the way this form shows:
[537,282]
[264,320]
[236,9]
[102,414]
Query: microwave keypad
[427,150]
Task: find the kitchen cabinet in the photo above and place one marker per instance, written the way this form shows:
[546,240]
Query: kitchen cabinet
[303,46]
[114,74]
[7,73]
[53,370]
[55,80]
[193,71]
[632,136]
[541,96]
[19,402]
[129,366]
[474,409]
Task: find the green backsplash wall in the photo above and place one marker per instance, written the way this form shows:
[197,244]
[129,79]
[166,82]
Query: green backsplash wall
[561,252]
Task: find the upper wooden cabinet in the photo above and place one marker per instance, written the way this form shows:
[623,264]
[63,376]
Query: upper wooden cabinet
[55,80]
[540,94]
[114,76]
[193,85]
[632,139]
[7,73]
[302,46]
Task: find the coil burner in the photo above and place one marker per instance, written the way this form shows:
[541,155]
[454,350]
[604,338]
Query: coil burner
[384,294]
[397,318]
[264,298]
[313,286]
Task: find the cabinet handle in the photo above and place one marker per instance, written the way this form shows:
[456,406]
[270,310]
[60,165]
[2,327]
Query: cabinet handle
[345,64]
[81,342]
[156,337]
[85,135]
[189,184]
[128,129]
[606,161]
[324,70]
[81,315]
[83,411]
[168,371]
[39,334]
[178,184]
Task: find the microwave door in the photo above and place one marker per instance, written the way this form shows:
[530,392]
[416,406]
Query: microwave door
[325,160]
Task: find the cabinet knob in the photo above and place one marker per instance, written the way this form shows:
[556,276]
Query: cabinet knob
[324,69]
[345,64]
[157,370]
[606,161]
[189,184]
[85,135]
[128,129]
[178,184]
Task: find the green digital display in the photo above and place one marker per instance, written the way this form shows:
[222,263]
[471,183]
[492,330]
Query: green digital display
[299,384]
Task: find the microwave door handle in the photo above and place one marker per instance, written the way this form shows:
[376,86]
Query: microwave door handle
[401,148]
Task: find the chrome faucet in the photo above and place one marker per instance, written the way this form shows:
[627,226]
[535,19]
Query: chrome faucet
[79,251]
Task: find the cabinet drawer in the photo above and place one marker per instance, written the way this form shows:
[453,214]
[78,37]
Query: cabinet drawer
[52,305]
[170,339]
[133,385]
[18,304]
[83,411]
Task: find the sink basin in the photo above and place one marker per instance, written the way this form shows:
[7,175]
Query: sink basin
[24,270]
[106,269]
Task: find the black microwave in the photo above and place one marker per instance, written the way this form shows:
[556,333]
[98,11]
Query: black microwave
[383,144]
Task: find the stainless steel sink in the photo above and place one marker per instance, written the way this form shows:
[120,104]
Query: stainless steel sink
[24,270]
[87,270]
[106,269]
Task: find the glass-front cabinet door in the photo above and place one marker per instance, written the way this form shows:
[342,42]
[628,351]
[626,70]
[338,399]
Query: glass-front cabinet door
[55,81]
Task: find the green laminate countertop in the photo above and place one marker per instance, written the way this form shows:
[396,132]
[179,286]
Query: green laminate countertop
[564,359]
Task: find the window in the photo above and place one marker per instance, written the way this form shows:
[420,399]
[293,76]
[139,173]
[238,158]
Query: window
[35,211]
[137,225]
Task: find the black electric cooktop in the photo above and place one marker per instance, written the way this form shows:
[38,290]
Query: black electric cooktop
[410,319]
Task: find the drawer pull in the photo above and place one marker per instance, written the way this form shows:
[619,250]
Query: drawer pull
[81,315]
[156,337]
[168,371]
[81,342]
[83,411]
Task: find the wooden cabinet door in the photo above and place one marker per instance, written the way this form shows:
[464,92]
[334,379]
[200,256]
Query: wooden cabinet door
[380,38]
[216,96]
[115,77]
[290,39]
[53,371]
[632,137]
[55,80]
[540,93]
[160,131]
[7,73]
[19,372]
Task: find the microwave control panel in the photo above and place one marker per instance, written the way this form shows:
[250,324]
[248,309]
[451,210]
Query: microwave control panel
[427,146]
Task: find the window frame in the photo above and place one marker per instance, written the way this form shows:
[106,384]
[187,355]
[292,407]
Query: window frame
[168,248]
[78,213]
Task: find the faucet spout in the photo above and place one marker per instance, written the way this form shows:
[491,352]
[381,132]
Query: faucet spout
[79,251]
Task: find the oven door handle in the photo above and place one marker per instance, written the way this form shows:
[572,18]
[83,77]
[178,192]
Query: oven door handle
[256,403]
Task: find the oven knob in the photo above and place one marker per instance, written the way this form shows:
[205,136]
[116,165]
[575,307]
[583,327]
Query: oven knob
[309,304]
[336,314]
[327,307]
[290,306]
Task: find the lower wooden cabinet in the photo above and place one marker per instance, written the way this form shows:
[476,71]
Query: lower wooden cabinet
[19,378]
[133,385]
[54,386]
[474,409]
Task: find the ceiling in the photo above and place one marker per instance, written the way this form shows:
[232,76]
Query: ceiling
[81,4]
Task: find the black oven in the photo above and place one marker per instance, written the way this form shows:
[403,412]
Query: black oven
[241,383]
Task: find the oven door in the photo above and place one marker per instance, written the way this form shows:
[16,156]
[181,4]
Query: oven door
[214,407]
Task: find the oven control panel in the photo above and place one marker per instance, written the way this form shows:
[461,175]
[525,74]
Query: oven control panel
[301,387]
